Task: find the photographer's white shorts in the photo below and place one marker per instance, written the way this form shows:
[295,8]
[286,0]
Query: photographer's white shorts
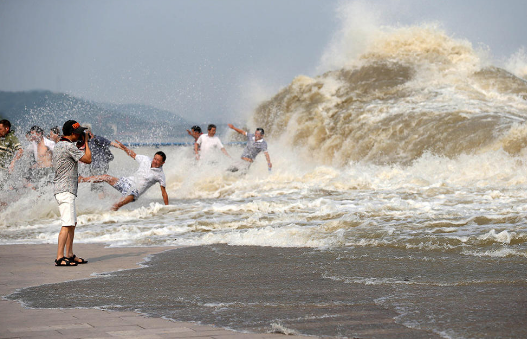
[68,215]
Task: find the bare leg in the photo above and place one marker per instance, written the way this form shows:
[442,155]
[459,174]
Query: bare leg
[69,242]
[122,202]
[100,178]
[65,241]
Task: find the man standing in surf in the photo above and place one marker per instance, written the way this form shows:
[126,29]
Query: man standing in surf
[149,172]
[206,143]
[66,157]
[255,145]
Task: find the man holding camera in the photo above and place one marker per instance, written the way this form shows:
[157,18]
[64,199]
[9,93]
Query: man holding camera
[66,157]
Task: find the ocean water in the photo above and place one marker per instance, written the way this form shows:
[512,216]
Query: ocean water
[397,196]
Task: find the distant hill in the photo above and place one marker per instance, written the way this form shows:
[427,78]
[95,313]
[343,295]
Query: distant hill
[144,111]
[127,122]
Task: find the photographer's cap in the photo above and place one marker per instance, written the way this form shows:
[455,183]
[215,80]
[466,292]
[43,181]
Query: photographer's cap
[72,126]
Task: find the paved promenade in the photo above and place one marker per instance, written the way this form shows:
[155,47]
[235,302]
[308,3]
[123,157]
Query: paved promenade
[30,265]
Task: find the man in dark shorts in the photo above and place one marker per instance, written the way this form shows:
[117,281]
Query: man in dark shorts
[66,157]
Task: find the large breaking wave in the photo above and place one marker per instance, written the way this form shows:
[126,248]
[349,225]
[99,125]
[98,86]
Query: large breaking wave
[411,90]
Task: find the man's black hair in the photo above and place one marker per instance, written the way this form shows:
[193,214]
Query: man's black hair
[196,128]
[211,126]
[37,129]
[6,123]
[261,130]
[162,154]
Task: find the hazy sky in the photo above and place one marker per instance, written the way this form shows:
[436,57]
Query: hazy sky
[208,60]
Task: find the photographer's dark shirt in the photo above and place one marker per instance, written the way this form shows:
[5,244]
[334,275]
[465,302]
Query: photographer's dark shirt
[100,151]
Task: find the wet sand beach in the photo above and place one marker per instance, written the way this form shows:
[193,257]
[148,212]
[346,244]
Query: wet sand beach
[31,265]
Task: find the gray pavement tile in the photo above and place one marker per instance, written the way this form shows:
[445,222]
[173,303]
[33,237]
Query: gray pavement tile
[4,334]
[152,323]
[89,332]
[151,336]
[199,334]
[31,335]
[158,331]
[203,328]
[244,336]
[61,320]
[44,328]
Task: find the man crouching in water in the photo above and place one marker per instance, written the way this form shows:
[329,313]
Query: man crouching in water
[149,172]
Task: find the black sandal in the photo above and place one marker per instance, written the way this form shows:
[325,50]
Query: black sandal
[66,261]
[82,261]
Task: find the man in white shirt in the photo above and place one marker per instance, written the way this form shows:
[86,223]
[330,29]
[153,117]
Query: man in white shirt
[149,172]
[207,143]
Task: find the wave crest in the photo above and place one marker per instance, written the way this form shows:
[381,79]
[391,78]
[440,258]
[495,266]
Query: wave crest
[414,90]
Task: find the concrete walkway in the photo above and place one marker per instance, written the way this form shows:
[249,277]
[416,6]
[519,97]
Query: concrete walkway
[30,265]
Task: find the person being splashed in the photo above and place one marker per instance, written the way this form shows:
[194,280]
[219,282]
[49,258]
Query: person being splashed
[101,158]
[149,172]
[10,148]
[255,145]
[42,169]
[207,143]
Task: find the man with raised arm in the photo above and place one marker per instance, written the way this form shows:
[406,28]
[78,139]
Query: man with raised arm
[195,132]
[255,145]
[149,172]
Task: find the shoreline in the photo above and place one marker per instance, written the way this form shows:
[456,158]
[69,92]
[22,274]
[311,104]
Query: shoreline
[26,265]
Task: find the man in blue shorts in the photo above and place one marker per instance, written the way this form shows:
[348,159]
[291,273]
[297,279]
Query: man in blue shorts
[255,145]
[149,172]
